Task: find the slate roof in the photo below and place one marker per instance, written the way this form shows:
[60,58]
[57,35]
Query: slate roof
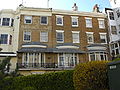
[49,50]
[96,44]
[66,44]
[97,51]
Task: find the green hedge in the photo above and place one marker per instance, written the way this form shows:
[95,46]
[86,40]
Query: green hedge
[91,76]
[52,81]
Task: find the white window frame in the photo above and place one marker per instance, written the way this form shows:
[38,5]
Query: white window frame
[104,38]
[66,62]
[8,22]
[41,20]
[101,23]
[59,16]
[29,59]
[88,23]
[90,33]
[24,37]
[98,54]
[74,19]
[27,18]
[76,38]
[43,37]
[60,31]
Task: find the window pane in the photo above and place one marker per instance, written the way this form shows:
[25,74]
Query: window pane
[44,36]
[101,24]
[74,21]
[117,51]
[75,37]
[88,22]
[60,37]
[111,15]
[113,29]
[92,57]
[43,20]
[118,13]
[27,36]
[59,20]
[5,21]
[4,38]
[102,57]
[90,38]
[103,38]
[28,19]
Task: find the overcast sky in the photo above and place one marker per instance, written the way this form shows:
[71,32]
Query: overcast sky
[83,5]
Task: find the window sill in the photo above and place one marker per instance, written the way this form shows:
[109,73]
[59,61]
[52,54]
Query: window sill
[26,41]
[101,27]
[43,24]
[28,23]
[76,42]
[60,42]
[89,27]
[90,42]
[59,24]
[74,25]
[44,41]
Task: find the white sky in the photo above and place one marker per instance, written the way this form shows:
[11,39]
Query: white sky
[83,5]
[13,4]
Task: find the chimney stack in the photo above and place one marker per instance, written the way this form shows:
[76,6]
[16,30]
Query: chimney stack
[96,8]
[75,7]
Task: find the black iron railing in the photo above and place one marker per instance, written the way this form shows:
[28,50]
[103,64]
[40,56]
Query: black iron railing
[37,65]
[42,65]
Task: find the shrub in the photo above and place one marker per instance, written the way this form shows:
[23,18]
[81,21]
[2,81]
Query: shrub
[52,81]
[29,88]
[91,76]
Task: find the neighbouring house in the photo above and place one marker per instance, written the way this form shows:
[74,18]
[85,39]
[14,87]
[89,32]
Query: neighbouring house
[113,16]
[8,36]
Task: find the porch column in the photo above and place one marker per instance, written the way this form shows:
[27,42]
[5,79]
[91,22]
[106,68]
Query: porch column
[77,57]
[64,60]
[28,63]
[90,57]
[58,60]
[73,59]
[40,59]
[23,59]
[33,58]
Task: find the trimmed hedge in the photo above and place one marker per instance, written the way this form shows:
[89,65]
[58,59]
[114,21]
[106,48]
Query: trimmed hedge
[91,76]
[52,81]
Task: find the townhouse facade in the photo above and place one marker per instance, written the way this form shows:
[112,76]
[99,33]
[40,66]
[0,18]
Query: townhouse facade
[54,40]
